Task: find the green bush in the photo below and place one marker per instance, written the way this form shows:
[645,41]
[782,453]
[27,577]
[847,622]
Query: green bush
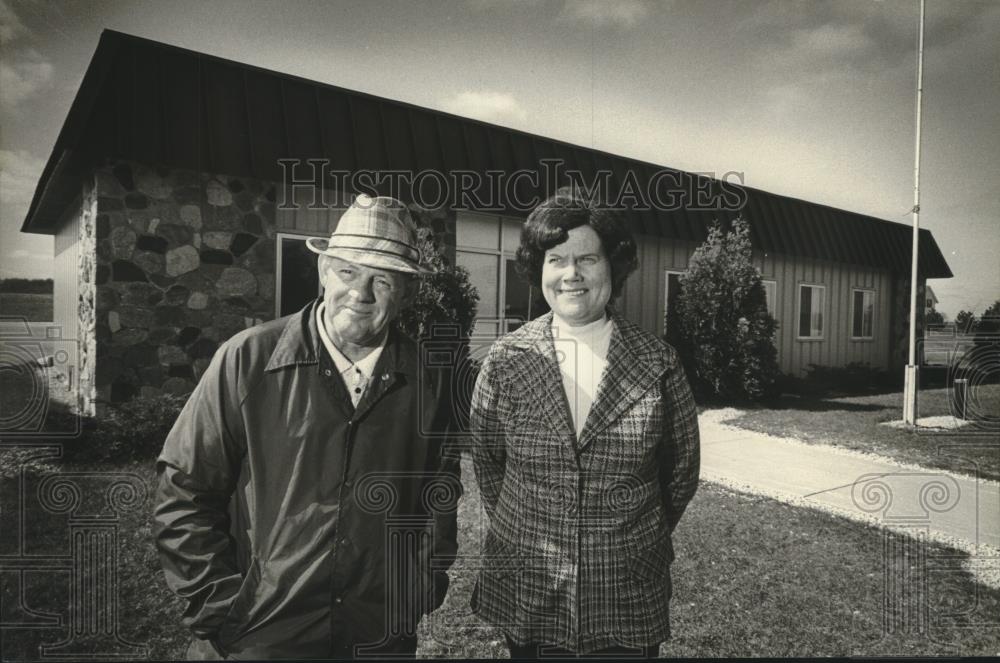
[720,324]
[988,328]
[445,297]
[134,430]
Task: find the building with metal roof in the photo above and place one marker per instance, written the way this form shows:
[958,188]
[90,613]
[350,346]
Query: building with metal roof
[169,193]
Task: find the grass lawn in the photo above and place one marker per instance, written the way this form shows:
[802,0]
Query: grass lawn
[33,401]
[854,423]
[33,307]
[753,577]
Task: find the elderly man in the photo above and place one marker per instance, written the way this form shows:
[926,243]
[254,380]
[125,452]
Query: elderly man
[306,487]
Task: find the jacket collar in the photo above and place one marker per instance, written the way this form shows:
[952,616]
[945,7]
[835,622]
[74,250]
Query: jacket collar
[636,361]
[299,345]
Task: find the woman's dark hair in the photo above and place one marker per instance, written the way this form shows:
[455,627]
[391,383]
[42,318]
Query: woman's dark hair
[549,224]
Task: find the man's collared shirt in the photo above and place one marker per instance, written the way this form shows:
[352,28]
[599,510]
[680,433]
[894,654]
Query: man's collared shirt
[356,375]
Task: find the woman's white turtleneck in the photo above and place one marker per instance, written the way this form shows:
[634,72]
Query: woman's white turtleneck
[582,353]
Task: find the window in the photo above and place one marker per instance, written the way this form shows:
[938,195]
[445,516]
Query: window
[484,272]
[672,290]
[769,294]
[521,302]
[485,245]
[862,313]
[297,275]
[811,311]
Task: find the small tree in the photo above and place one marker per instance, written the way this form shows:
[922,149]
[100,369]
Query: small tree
[933,317]
[721,326]
[965,322]
[979,363]
[445,297]
[988,328]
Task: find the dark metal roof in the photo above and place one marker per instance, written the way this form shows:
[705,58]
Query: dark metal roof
[150,102]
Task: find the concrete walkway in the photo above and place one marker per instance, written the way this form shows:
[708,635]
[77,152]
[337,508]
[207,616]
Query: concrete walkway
[950,508]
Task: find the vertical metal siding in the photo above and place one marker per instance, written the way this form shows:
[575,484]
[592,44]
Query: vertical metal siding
[642,301]
[301,219]
[66,274]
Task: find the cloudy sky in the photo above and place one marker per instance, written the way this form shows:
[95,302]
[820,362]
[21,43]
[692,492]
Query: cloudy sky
[806,98]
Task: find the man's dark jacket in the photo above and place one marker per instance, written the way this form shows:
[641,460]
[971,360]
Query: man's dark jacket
[294,524]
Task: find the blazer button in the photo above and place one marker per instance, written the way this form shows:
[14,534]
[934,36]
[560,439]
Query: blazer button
[338,600]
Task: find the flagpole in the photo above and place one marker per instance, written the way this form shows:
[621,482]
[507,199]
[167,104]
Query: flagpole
[910,377]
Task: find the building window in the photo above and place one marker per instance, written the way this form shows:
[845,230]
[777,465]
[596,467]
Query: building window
[521,301]
[811,310]
[671,292]
[485,245]
[862,313]
[770,288]
[297,281]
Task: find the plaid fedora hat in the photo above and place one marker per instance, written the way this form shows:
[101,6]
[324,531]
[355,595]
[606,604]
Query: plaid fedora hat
[376,232]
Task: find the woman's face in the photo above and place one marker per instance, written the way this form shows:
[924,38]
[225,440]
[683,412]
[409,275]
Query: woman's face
[576,277]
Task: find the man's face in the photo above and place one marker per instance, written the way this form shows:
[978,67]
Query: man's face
[360,301]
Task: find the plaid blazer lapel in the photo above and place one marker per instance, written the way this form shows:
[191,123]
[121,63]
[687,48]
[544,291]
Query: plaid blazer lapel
[539,375]
[634,366]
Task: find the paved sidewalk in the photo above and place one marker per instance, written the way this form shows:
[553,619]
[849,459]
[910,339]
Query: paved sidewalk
[950,507]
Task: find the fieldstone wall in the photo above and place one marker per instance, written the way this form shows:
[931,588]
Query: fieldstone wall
[177,262]
[87,303]
[184,260]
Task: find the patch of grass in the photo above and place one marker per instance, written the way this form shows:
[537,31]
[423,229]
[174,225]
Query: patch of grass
[148,613]
[33,307]
[855,423]
[32,402]
[753,577]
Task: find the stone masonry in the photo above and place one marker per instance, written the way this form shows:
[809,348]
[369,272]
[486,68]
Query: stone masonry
[178,262]
[87,301]
[184,261]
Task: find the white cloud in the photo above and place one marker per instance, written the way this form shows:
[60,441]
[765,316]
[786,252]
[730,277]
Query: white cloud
[834,39]
[487,106]
[600,13]
[25,78]
[24,254]
[19,173]
[501,4]
[10,24]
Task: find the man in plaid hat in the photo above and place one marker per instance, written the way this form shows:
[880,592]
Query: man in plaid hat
[307,498]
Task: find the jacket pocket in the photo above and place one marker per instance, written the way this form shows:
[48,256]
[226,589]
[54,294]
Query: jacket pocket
[651,562]
[235,620]
[499,558]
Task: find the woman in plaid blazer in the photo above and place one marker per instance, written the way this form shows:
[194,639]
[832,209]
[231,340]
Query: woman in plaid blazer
[585,442]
